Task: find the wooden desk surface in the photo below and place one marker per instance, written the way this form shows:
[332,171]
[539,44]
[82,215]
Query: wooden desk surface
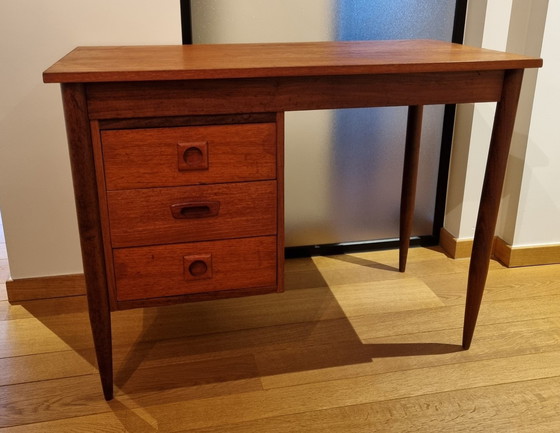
[188,62]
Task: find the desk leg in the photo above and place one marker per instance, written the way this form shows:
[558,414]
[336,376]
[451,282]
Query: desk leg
[87,208]
[490,200]
[410,174]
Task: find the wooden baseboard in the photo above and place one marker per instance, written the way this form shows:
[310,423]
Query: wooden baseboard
[513,257]
[453,247]
[25,289]
[503,252]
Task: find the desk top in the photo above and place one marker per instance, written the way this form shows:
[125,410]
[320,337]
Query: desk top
[221,61]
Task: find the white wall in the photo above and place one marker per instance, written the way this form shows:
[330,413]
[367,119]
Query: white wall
[474,123]
[457,205]
[36,195]
[530,205]
[538,220]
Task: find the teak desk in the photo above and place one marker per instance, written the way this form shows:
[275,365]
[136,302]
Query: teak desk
[177,157]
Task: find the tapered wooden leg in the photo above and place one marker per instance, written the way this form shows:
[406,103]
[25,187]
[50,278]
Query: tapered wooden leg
[410,174]
[87,209]
[490,200]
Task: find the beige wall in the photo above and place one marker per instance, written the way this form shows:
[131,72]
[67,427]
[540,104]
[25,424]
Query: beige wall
[35,187]
[530,205]
[538,212]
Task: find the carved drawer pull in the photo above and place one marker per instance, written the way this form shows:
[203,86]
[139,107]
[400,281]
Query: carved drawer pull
[203,209]
[197,267]
[192,156]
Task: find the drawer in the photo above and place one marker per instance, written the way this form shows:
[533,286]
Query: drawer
[171,270]
[192,213]
[144,158]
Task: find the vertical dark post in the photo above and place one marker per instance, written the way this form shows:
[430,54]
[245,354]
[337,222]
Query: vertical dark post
[186,22]
[87,208]
[410,175]
[490,200]
[459,19]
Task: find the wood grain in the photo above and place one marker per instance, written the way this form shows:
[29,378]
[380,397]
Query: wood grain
[489,206]
[56,286]
[80,395]
[525,256]
[89,224]
[348,392]
[151,272]
[526,407]
[258,95]
[455,248]
[519,407]
[143,216]
[320,357]
[44,367]
[155,63]
[145,158]
[501,284]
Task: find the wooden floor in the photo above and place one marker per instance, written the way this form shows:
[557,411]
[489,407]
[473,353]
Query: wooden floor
[351,346]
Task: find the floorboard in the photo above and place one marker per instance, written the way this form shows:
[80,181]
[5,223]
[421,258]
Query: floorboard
[351,346]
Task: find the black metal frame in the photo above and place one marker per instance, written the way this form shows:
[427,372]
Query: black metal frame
[443,170]
[186,22]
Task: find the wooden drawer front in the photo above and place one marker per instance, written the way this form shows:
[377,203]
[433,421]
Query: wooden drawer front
[143,158]
[163,270]
[193,213]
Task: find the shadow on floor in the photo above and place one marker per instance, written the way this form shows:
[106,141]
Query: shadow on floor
[174,353]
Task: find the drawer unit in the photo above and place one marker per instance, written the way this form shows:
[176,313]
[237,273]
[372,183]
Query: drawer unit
[145,158]
[192,213]
[169,270]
